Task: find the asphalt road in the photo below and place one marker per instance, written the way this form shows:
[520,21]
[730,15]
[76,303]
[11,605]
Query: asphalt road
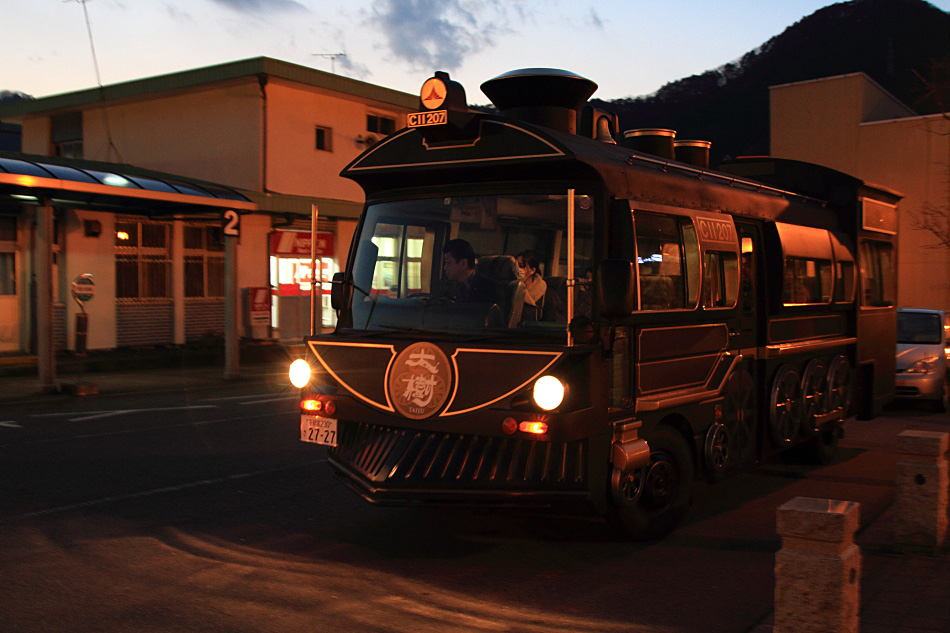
[201,511]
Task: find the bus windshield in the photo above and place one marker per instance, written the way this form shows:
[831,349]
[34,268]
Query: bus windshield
[402,279]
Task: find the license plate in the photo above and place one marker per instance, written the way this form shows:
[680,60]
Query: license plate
[318,430]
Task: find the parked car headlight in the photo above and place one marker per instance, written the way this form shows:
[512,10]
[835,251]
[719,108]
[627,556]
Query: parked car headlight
[920,367]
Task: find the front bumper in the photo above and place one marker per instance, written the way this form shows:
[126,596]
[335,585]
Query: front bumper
[404,466]
[919,386]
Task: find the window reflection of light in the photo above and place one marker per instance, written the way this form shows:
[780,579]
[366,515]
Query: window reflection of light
[115,180]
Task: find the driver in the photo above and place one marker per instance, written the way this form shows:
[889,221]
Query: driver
[458,263]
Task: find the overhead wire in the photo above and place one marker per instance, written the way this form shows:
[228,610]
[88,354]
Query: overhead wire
[102,95]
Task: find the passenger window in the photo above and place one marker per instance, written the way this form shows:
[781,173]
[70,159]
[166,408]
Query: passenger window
[806,281]
[877,274]
[720,279]
[667,262]
[844,281]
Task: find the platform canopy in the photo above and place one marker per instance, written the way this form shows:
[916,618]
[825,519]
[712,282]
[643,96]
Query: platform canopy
[81,184]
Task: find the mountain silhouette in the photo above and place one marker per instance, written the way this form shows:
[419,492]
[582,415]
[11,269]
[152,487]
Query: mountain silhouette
[903,45]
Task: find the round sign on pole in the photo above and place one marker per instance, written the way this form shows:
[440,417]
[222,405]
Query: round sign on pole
[83,288]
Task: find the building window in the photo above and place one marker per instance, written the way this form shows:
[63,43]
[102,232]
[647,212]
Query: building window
[142,260]
[204,261]
[380,124]
[7,255]
[66,135]
[324,139]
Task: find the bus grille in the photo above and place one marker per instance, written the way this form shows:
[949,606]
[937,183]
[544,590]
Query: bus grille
[410,458]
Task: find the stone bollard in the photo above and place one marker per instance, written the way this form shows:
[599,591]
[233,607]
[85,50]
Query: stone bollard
[818,569]
[922,489]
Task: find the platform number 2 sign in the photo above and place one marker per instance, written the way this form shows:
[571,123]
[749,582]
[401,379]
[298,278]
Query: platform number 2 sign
[231,223]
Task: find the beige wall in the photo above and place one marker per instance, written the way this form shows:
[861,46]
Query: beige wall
[294,165]
[850,124]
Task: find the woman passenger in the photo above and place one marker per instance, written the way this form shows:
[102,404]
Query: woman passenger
[535,287]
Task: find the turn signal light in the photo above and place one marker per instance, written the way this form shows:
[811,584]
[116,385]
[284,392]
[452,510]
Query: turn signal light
[537,428]
[311,405]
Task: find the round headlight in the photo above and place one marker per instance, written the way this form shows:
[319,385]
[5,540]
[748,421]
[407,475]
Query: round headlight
[299,373]
[548,392]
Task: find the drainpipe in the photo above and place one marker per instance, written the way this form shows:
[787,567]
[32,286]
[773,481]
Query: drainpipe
[262,83]
[43,267]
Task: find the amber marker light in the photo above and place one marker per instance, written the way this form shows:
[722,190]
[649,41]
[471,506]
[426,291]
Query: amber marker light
[299,373]
[537,428]
[311,405]
[548,392]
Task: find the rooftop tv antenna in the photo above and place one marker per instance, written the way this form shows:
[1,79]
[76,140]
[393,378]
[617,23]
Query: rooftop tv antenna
[332,57]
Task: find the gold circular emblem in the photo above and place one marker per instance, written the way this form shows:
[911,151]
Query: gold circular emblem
[433,93]
[419,381]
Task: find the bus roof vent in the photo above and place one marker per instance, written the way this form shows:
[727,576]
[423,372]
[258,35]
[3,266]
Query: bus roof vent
[543,96]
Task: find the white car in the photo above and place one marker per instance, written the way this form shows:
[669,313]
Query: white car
[923,356]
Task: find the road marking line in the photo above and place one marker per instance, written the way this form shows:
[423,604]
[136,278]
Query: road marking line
[245,396]
[294,397]
[156,491]
[11,424]
[94,415]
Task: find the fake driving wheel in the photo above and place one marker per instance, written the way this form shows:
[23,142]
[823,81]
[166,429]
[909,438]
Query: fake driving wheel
[814,398]
[785,405]
[839,385]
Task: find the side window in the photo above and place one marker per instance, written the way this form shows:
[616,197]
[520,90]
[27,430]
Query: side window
[877,274]
[667,262]
[720,279]
[806,281]
[844,281]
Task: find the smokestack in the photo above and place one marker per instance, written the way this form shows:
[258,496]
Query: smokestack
[694,153]
[543,96]
[652,140]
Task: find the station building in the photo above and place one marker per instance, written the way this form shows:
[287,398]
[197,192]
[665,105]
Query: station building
[852,124]
[277,134]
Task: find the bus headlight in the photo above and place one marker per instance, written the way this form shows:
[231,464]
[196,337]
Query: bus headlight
[548,392]
[299,373]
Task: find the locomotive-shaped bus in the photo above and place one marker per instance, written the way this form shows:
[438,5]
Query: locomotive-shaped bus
[692,322]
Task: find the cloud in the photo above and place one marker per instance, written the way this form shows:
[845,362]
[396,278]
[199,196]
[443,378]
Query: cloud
[439,34]
[260,6]
[594,20]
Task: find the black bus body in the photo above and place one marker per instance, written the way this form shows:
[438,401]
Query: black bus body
[695,322]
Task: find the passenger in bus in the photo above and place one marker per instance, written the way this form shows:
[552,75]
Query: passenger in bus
[529,271]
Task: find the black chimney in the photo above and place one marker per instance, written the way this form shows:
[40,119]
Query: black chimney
[543,96]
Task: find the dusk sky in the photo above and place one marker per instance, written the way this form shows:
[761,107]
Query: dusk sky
[629,47]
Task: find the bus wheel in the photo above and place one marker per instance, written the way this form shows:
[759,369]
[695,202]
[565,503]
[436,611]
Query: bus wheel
[786,405]
[664,490]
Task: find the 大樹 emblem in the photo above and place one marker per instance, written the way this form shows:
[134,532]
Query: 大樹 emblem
[419,380]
